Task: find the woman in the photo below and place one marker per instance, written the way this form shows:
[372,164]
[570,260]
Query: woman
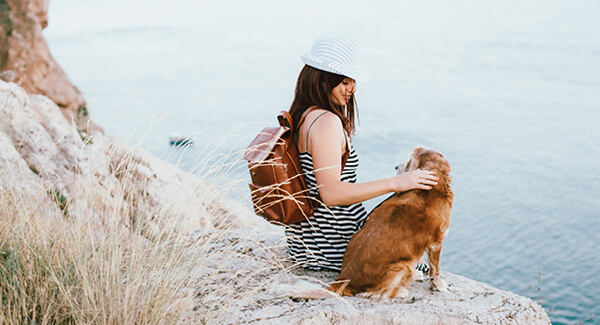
[324,104]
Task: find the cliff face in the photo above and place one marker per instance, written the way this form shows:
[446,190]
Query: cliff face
[26,60]
[48,167]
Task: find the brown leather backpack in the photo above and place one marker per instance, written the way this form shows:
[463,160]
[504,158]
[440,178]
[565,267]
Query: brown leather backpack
[278,188]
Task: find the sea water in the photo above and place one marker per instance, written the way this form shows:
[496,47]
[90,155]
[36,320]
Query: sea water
[508,91]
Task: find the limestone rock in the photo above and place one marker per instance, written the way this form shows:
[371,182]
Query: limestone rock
[98,179]
[25,58]
[18,181]
[251,264]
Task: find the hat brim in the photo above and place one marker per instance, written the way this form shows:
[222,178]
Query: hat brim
[349,72]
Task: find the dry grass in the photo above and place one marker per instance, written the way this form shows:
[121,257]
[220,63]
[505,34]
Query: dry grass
[58,269]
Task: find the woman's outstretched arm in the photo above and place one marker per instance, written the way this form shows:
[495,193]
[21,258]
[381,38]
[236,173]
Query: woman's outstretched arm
[326,142]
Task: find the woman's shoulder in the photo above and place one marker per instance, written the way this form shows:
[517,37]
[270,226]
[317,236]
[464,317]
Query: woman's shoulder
[323,124]
[322,117]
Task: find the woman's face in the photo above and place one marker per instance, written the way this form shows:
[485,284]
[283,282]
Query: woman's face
[341,93]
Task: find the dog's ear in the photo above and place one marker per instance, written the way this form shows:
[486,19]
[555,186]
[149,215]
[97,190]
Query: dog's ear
[411,164]
[417,151]
[437,163]
[413,161]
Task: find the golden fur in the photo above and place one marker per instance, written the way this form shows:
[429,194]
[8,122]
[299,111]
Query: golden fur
[380,258]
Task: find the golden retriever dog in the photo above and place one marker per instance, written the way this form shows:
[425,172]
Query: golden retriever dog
[380,258]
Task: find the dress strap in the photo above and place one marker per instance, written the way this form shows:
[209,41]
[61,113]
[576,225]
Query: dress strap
[310,126]
[345,155]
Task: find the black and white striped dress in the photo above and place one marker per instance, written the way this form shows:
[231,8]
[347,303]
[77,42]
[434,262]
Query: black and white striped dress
[320,242]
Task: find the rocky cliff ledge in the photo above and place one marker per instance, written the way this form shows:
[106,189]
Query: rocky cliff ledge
[252,265]
[25,58]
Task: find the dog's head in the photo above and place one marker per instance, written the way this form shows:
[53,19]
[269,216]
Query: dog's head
[428,159]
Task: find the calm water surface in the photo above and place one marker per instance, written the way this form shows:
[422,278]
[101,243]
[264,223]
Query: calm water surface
[509,92]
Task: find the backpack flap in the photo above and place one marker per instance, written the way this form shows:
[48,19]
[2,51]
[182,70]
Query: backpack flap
[266,156]
[261,147]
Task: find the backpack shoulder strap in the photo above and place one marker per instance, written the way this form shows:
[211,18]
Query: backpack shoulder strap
[305,114]
[285,119]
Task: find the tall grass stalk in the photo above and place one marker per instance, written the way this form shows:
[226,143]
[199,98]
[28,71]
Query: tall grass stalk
[56,271]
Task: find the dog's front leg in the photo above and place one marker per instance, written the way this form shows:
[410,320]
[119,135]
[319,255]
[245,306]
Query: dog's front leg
[433,256]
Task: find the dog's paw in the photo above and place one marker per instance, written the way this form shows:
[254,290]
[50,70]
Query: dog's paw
[369,295]
[419,276]
[400,293]
[439,285]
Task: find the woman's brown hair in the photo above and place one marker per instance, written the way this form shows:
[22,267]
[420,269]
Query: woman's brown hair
[314,88]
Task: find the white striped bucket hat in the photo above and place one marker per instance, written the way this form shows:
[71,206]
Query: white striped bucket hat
[336,55]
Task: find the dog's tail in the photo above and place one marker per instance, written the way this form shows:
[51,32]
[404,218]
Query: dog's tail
[307,290]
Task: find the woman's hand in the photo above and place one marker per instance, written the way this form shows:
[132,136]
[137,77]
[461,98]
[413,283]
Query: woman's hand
[416,179]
